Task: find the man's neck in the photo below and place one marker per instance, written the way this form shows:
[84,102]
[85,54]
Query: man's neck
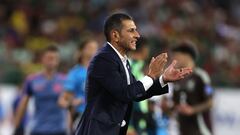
[118,48]
[136,56]
[85,62]
[49,73]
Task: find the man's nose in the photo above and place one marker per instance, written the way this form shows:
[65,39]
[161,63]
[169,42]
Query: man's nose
[137,35]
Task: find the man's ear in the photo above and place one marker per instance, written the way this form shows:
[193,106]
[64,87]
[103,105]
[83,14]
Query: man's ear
[115,35]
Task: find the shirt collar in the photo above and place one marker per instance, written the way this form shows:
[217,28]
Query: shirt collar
[123,58]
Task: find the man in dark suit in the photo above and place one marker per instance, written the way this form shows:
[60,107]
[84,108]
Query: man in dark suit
[111,88]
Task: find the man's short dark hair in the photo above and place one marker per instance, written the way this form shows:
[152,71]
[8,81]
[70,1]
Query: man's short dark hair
[187,48]
[142,42]
[114,21]
[51,48]
[82,45]
[84,42]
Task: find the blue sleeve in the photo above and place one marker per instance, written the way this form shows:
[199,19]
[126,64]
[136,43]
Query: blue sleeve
[1,113]
[27,88]
[69,84]
[208,90]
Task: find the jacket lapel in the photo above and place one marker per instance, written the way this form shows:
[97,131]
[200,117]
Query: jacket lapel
[116,58]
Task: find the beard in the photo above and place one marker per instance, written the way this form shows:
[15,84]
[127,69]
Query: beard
[128,46]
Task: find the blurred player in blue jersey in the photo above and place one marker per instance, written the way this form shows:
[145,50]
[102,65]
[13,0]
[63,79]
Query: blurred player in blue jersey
[73,97]
[20,130]
[45,87]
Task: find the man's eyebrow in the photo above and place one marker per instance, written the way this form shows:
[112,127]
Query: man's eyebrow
[132,28]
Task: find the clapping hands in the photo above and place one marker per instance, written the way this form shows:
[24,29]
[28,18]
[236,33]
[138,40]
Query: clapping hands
[171,73]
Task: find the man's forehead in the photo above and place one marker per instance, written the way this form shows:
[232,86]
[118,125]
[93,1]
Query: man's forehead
[129,24]
[50,53]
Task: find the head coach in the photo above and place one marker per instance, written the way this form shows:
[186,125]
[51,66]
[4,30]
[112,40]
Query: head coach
[111,88]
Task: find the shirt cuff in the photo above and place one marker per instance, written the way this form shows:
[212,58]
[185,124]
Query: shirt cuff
[161,81]
[147,82]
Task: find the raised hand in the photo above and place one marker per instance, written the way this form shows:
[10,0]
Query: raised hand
[156,65]
[172,74]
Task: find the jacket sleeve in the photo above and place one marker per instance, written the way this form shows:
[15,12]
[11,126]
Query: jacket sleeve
[155,90]
[111,77]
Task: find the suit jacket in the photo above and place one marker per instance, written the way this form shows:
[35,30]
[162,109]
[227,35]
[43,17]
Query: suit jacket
[109,98]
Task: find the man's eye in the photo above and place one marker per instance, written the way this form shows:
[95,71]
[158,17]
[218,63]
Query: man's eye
[131,30]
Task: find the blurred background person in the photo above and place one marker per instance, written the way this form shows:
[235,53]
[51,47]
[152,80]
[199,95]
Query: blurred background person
[192,96]
[138,59]
[73,97]
[143,120]
[146,120]
[45,87]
